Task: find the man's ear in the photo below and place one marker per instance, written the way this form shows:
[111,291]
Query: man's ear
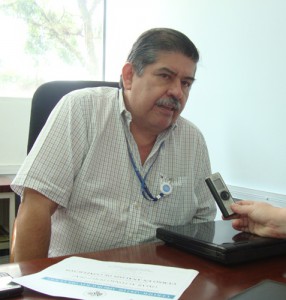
[127,76]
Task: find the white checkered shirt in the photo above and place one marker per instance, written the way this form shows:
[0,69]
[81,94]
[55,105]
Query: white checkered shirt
[81,162]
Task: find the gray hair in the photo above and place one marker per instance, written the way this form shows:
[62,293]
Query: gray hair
[150,43]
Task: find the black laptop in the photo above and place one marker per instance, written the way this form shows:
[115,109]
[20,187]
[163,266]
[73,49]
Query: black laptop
[218,241]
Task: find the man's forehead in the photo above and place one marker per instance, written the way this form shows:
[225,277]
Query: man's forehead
[175,63]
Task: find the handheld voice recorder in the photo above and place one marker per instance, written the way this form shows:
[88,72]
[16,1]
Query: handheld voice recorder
[220,193]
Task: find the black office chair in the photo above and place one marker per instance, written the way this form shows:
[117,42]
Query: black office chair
[47,96]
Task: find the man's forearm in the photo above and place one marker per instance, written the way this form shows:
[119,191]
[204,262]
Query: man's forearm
[33,227]
[32,237]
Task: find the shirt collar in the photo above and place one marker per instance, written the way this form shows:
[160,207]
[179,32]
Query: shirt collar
[122,107]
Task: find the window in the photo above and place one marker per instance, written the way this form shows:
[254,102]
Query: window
[44,40]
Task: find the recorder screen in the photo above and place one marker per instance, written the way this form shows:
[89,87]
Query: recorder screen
[218,183]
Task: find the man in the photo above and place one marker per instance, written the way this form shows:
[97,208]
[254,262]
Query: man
[111,165]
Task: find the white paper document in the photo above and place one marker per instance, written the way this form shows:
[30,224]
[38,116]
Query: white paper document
[83,278]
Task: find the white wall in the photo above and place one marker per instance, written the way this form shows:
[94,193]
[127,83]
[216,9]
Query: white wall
[237,100]
[14,126]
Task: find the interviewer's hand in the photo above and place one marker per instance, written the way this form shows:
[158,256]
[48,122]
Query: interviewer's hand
[260,218]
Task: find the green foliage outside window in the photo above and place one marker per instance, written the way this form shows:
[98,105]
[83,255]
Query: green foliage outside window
[49,40]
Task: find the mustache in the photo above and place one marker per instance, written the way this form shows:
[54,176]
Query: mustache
[171,102]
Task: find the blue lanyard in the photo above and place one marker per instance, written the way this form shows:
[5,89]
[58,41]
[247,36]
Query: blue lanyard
[144,189]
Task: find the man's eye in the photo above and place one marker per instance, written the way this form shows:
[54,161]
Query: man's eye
[165,76]
[186,84]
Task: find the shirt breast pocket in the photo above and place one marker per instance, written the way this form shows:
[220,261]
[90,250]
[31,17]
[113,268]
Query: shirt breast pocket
[178,207]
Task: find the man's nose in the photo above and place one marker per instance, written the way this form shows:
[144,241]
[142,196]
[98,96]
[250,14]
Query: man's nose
[175,90]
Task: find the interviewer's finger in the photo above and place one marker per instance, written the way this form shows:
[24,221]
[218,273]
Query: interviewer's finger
[239,224]
[240,209]
[235,216]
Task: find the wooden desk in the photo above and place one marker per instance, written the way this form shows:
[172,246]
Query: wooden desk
[214,281]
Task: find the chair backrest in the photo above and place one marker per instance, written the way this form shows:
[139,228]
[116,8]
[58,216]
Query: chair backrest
[47,96]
